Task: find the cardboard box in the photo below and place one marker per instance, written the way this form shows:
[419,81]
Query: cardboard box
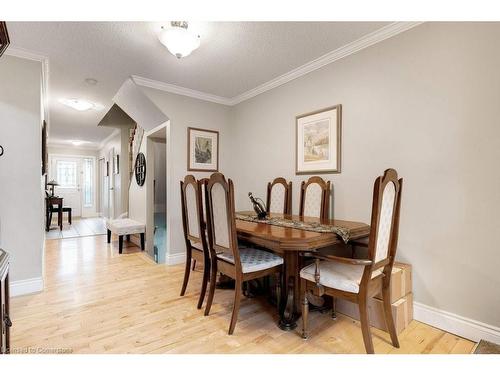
[402,312]
[401,283]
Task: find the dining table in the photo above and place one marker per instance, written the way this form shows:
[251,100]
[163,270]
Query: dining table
[290,236]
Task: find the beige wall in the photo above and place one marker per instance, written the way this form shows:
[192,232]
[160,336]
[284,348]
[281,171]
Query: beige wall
[21,208]
[185,112]
[425,102]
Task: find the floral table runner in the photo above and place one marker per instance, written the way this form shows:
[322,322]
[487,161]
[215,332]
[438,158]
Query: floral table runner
[342,232]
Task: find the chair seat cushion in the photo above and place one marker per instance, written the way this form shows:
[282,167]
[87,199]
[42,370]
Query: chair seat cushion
[336,275]
[125,226]
[253,260]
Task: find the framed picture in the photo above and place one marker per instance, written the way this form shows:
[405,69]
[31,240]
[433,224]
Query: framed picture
[45,167]
[4,37]
[318,141]
[203,150]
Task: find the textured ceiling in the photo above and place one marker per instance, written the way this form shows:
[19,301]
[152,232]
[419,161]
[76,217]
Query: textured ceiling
[233,58]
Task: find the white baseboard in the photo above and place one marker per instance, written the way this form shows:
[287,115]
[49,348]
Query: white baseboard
[27,286]
[456,324]
[173,259]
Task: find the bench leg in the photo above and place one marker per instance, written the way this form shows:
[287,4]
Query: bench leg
[142,241]
[109,236]
[69,216]
[120,244]
[128,237]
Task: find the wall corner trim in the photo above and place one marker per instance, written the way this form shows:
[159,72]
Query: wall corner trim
[173,259]
[26,286]
[456,324]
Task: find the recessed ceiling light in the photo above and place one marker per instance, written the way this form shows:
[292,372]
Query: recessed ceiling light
[91,81]
[80,104]
[178,39]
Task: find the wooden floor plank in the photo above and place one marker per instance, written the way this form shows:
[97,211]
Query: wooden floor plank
[98,301]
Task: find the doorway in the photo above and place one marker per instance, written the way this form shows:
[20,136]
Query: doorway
[75,177]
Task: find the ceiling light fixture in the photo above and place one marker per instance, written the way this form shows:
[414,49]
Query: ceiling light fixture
[80,104]
[91,81]
[78,142]
[178,39]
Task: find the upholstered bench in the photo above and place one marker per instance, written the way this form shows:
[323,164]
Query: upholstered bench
[125,227]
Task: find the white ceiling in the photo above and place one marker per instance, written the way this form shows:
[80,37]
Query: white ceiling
[234,57]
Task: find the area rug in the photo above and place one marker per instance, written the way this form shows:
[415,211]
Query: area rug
[486,347]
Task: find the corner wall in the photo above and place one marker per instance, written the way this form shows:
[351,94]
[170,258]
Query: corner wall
[21,194]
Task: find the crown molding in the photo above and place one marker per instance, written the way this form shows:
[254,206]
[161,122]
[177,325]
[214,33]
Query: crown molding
[25,54]
[179,90]
[368,40]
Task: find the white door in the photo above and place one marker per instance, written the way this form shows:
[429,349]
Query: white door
[66,172]
[76,179]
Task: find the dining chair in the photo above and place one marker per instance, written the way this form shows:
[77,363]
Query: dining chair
[194,232]
[315,198]
[279,196]
[228,257]
[357,280]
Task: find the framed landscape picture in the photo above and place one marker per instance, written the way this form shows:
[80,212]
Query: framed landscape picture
[203,150]
[318,141]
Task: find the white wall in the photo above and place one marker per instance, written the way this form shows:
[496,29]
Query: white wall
[425,102]
[71,150]
[185,112]
[21,199]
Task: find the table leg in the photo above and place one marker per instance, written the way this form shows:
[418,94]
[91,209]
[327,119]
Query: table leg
[47,218]
[290,312]
[60,217]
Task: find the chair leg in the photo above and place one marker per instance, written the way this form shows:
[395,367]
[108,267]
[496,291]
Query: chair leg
[187,271]
[236,306]
[389,321]
[120,244]
[194,264]
[334,308]
[109,236]
[305,310]
[278,291]
[204,282]
[365,324]
[69,216]
[211,290]
[128,237]
[142,241]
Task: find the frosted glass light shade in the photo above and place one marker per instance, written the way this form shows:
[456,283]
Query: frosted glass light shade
[179,41]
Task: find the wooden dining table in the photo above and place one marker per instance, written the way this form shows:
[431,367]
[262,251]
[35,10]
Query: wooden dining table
[289,243]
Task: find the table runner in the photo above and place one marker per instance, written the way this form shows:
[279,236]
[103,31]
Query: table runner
[342,232]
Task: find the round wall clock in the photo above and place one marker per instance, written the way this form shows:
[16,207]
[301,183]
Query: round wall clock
[140,169]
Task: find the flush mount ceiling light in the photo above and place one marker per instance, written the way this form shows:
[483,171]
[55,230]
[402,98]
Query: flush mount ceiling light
[80,104]
[178,39]
[77,142]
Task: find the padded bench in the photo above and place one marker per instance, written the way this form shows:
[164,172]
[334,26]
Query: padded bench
[125,227]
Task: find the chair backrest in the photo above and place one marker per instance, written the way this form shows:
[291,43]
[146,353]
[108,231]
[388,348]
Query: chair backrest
[191,207]
[384,230]
[202,182]
[221,224]
[315,198]
[279,196]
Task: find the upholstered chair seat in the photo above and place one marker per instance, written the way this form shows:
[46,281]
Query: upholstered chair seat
[336,275]
[253,260]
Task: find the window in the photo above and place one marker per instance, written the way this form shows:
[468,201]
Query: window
[66,174]
[88,176]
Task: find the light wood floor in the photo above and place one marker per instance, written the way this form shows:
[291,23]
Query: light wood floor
[97,301]
[80,227]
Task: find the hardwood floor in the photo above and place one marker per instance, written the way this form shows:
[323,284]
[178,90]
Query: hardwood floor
[97,301]
[80,227]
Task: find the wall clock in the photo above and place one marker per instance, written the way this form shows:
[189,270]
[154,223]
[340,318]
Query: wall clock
[140,169]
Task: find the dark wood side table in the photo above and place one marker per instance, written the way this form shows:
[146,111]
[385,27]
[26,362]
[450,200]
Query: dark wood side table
[5,322]
[50,201]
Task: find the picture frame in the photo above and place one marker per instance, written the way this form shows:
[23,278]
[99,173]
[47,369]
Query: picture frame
[203,150]
[45,166]
[4,37]
[318,141]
